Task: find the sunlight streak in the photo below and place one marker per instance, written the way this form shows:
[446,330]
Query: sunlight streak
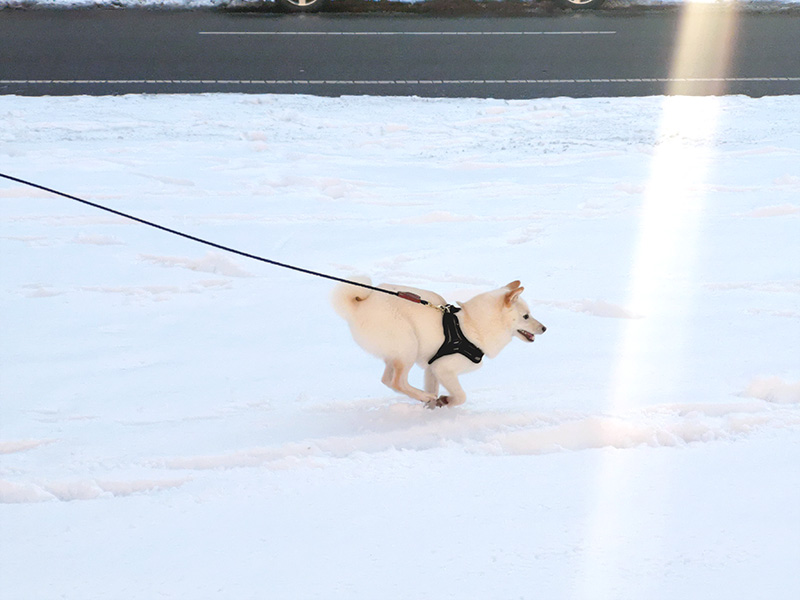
[664,254]
[661,276]
[673,202]
[704,47]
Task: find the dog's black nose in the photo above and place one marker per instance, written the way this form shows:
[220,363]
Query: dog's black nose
[544,328]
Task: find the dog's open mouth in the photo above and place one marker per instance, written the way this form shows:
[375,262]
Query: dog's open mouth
[526,334]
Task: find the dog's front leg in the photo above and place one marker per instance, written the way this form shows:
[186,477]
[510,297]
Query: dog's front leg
[449,379]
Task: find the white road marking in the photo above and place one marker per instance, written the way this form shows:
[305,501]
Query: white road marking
[375,33]
[390,82]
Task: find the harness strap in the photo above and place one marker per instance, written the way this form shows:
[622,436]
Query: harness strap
[455,342]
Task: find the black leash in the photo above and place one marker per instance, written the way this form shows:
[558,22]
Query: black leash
[404,295]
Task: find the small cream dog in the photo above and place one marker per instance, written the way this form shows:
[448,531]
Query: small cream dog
[444,343]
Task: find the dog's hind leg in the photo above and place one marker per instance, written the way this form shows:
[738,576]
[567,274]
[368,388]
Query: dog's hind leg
[431,383]
[388,375]
[396,377]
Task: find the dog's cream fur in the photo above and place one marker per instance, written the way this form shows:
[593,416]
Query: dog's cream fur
[403,333]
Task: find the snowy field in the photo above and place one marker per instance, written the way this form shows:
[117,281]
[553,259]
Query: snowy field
[180,423]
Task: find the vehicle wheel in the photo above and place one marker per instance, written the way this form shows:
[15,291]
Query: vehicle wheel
[302,5]
[580,4]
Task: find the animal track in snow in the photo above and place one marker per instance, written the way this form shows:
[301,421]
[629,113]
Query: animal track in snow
[212,262]
[398,427]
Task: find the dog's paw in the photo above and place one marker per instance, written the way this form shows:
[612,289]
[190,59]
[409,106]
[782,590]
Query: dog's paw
[438,402]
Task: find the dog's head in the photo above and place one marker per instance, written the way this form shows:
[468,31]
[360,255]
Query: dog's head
[525,327]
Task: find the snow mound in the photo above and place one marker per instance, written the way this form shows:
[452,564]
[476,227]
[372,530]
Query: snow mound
[774,389]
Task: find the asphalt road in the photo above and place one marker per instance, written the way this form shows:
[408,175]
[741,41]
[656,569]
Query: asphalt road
[604,53]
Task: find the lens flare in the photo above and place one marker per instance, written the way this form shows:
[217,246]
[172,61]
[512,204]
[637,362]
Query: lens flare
[661,277]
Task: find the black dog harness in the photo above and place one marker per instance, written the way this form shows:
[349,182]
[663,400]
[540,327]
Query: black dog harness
[455,342]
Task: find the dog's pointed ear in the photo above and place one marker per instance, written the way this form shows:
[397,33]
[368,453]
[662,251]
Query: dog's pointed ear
[513,285]
[512,296]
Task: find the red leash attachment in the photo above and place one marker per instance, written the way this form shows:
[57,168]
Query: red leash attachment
[411,296]
[416,298]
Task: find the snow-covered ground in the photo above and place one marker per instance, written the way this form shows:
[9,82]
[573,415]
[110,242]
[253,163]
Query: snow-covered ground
[180,423]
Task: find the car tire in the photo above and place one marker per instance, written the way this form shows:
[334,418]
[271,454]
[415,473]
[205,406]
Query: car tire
[580,4]
[306,6]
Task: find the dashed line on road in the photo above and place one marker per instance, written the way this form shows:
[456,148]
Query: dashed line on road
[402,33]
[390,82]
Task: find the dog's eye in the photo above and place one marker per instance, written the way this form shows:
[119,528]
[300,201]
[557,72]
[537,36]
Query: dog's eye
[525,316]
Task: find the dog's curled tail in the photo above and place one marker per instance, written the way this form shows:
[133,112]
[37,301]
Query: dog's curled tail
[346,298]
